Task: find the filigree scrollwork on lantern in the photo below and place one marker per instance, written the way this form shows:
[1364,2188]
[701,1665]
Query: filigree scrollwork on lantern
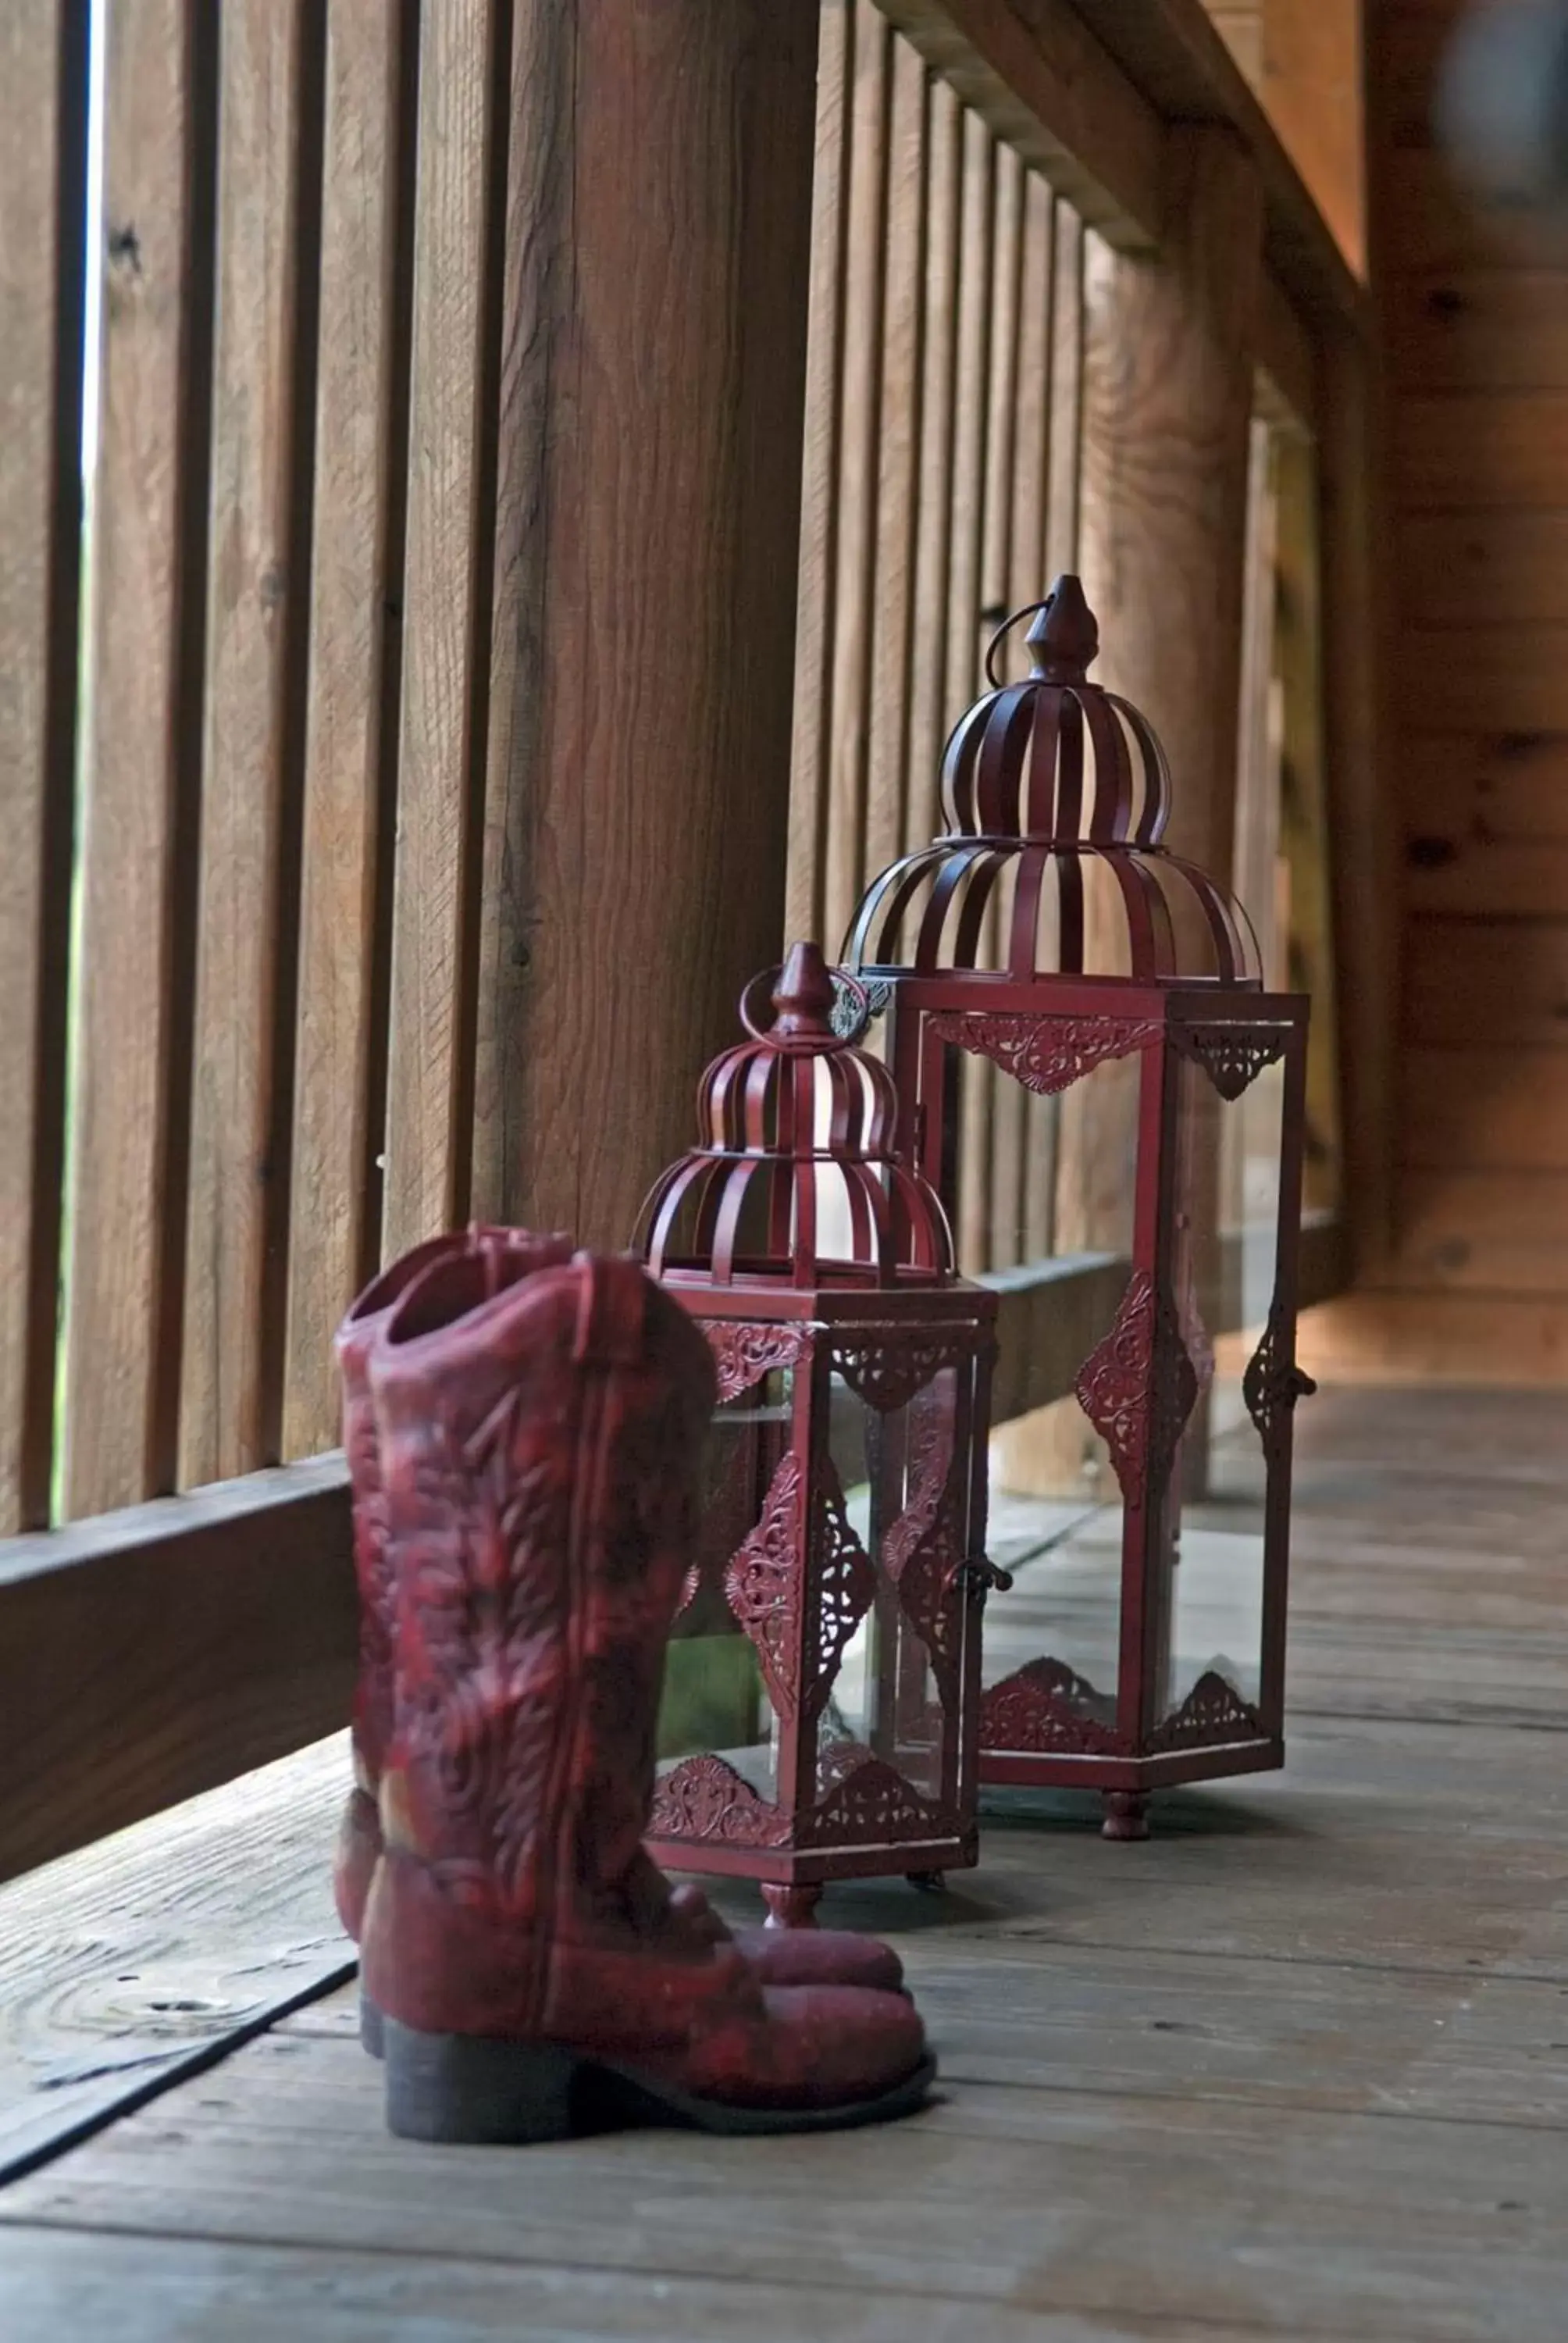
[1137,1387]
[844,1590]
[1213,1712]
[1232,1056]
[887,1369]
[1047,1708]
[745,1351]
[706,1798]
[1046,1054]
[1272,1383]
[762,1585]
[864,1800]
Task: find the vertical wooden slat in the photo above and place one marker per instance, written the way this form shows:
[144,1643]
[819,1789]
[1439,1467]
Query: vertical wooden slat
[239,1128]
[331,1237]
[965,597]
[1033,1119]
[1063,507]
[929,711]
[1002,1242]
[43,135]
[849,730]
[125,1238]
[819,475]
[898,505]
[445,642]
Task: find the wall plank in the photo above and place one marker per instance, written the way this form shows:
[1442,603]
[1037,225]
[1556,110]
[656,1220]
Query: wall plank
[1496,984]
[43,110]
[1505,568]
[1497,1231]
[1485,1109]
[1478,329]
[334,1222]
[1462,450]
[930,711]
[1513,679]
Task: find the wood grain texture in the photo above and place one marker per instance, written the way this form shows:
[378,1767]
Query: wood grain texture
[1429,222]
[446,634]
[858,587]
[1485,1109]
[42,130]
[1343,1982]
[814,624]
[125,1238]
[140,1960]
[930,714]
[238,1136]
[1362,816]
[1476,679]
[1466,450]
[966,629]
[1491,983]
[333,1242]
[1474,1341]
[1495,1232]
[1478,329]
[1042,83]
[645,803]
[1511,564]
[895,567]
[151,1653]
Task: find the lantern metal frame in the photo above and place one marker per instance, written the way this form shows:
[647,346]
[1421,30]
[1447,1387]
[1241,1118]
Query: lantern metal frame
[1040,783]
[914,1343]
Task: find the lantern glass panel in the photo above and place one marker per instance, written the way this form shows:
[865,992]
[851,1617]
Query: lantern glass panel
[1213,1527]
[714,1697]
[884,1696]
[1053,1476]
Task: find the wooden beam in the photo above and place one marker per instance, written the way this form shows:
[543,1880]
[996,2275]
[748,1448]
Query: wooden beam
[153,1653]
[1287,359]
[1175,59]
[652,383]
[1043,83]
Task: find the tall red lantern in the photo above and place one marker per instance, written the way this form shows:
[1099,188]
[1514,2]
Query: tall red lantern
[844,1526]
[1052,932]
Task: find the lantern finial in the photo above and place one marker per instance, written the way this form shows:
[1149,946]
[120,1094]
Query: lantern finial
[1064,638]
[804,996]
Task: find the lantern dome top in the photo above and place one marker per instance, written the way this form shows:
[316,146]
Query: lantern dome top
[1057,793]
[798,1181]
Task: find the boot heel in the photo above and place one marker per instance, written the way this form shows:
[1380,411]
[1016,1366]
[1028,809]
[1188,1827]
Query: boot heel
[474,2090]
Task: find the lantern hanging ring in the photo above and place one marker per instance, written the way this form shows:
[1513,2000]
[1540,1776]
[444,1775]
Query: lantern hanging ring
[1006,628]
[797,1036]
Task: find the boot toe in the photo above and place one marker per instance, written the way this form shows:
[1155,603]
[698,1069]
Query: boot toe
[809,1957]
[817,2048]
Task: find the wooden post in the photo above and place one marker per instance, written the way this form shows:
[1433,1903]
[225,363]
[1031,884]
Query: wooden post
[658,212]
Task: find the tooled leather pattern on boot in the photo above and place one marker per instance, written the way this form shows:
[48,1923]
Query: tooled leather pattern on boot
[540,1504]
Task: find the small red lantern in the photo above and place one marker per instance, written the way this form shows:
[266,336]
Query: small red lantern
[1116,962]
[844,1528]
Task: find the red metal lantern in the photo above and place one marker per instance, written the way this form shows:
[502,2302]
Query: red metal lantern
[1053,932]
[844,1528]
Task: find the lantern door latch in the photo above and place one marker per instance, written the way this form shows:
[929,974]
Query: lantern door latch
[980,1576]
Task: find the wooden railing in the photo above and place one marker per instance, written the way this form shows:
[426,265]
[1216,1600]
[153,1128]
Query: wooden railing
[397,760]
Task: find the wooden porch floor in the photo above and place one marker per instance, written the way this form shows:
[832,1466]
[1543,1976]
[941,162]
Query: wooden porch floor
[1299,2067]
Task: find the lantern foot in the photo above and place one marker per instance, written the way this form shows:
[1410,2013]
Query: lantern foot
[792,1906]
[930,1883]
[1126,1814]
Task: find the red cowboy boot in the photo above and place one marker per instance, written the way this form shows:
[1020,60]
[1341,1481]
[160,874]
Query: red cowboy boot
[486,1259]
[539,1461]
[497,1257]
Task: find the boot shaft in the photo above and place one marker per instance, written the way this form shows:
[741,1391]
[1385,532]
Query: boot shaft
[539,1459]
